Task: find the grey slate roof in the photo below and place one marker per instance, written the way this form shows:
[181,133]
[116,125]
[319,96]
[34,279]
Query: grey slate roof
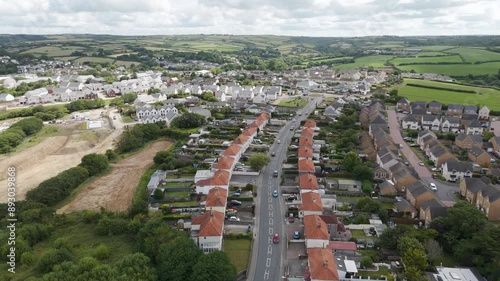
[476,151]
[435,105]
[403,205]
[459,166]
[431,203]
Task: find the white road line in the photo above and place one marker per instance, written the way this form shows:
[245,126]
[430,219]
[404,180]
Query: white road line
[269,250]
[268,262]
[266,274]
[271,231]
[271,221]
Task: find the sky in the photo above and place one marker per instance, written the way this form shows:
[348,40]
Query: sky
[329,18]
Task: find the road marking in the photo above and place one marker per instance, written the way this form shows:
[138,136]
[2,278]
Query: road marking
[270,207]
[269,240]
[271,214]
[266,274]
[268,262]
[269,250]
[269,199]
[271,221]
[270,231]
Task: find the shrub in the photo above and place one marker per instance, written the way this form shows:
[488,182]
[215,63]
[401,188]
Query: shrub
[101,252]
[111,226]
[27,259]
[51,258]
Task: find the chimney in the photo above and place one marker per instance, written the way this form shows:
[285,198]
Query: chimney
[218,202]
[325,263]
[318,225]
[314,200]
[211,214]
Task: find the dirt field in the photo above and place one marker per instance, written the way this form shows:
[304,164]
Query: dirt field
[52,156]
[115,191]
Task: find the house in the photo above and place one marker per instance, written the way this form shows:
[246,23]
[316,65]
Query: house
[201,111]
[234,151]
[216,200]
[418,193]
[310,124]
[315,232]
[307,133]
[206,231]
[470,109]
[468,141]
[380,173]
[484,113]
[406,208]
[6,97]
[431,122]
[455,110]
[386,188]
[219,179]
[321,264]
[335,228]
[306,166]
[495,141]
[311,204]
[431,210]
[225,163]
[347,184]
[489,200]
[454,170]
[474,128]
[155,180]
[403,105]
[388,160]
[424,136]
[435,107]
[470,188]
[306,142]
[410,122]
[308,183]
[450,124]
[466,119]
[480,156]
[437,152]
[333,110]
[403,178]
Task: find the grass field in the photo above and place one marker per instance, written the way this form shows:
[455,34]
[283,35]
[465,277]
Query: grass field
[474,55]
[94,59]
[53,51]
[453,69]
[455,58]
[126,63]
[430,54]
[374,61]
[489,97]
[65,58]
[436,48]
[238,251]
[297,102]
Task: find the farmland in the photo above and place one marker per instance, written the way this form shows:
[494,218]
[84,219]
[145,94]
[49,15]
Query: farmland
[374,61]
[474,55]
[484,96]
[430,60]
[454,69]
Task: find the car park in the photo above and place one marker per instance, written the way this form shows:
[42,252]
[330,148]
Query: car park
[276,238]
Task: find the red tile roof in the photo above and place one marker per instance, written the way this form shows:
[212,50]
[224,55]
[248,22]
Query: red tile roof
[310,124]
[342,246]
[311,201]
[305,151]
[306,141]
[211,223]
[322,265]
[220,178]
[307,132]
[306,165]
[233,150]
[241,139]
[249,132]
[224,163]
[308,181]
[315,228]
[217,197]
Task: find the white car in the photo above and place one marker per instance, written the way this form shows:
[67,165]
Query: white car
[436,169]
[279,141]
[421,163]
[234,219]
[433,186]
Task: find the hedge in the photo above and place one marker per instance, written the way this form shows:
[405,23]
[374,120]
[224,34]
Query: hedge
[440,88]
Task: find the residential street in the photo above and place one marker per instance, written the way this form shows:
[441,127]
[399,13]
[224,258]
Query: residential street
[445,190]
[267,257]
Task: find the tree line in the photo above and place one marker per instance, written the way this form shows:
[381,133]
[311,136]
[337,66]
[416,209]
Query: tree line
[15,135]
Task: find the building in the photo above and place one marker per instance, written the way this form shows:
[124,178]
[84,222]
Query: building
[454,170]
[465,141]
[480,156]
[403,105]
[308,183]
[456,274]
[216,200]
[386,188]
[484,113]
[206,231]
[431,210]
[322,265]
[418,193]
[316,232]
[311,204]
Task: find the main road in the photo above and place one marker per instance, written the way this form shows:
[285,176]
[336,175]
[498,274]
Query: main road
[267,257]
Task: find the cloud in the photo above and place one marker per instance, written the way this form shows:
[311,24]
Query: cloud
[280,17]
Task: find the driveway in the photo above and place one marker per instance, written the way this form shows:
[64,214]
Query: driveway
[445,190]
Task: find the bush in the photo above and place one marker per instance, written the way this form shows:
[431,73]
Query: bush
[111,226]
[51,258]
[27,259]
[366,262]
[101,252]
[95,163]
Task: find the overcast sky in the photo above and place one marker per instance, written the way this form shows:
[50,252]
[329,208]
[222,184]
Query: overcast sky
[279,17]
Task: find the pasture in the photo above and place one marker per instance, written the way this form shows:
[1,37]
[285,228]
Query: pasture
[94,59]
[53,51]
[374,61]
[454,69]
[430,60]
[474,55]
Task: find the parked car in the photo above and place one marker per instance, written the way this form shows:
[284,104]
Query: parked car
[291,219]
[278,141]
[434,176]
[413,144]
[436,169]
[296,235]
[293,146]
[235,194]
[275,173]
[234,219]
[276,238]
[275,193]
[291,197]
[293,208]
[273,154]
[433,186]
[421,163]
[235,203]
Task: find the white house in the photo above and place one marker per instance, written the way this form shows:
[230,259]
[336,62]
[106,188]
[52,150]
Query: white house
[431,122]
[474,128]
[450,124]
[410,122]
[6,97]
[207,230]
[484,113]
[454,170]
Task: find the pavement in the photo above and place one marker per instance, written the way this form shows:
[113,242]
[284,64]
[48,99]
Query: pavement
[267,258]
[445,190]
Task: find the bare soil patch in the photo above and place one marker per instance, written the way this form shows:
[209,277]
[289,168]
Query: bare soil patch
[115,190]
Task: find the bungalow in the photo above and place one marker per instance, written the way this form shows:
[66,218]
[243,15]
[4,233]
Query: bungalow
[480,156]
[455,110]
[431,210]
[403,105]
[435,107]
[484,113]
[418,193]
[468,141]
[454,170]
[450,124]
[410,122]
[343,248]
[322,266]
[474,128]
[311,204]
[207,230]
[333,111]
[315,232]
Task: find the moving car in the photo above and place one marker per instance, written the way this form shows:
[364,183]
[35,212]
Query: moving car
[296,235]
[273,154]
[279,141]
[275,193]
[421,163]
[433,186]
[275,173]
[276,238]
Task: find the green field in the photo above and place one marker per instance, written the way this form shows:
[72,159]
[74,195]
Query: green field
[453,69]
[435,48]
[374,61]
[474,55]
[53,51]
[94,59]
[430,54]
[126,63]
[407,60]
[296,102]
[488,97]
[239,252]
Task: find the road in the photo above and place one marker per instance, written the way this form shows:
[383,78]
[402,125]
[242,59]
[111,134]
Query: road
[267,257]
[445,190]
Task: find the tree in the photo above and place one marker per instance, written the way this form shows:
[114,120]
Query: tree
[366,262]
[51,258]
[412,273]
[188,121]
[415,258]
[258,160]
[351,160]
[215,266]
[433,249]
[360,219]
[367,187]
[362,172]
[176,260]
[136,267]
[101,252]
[30,125]
[390,237]
[407,243]
[111,154]
[158,194]
[95,163]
